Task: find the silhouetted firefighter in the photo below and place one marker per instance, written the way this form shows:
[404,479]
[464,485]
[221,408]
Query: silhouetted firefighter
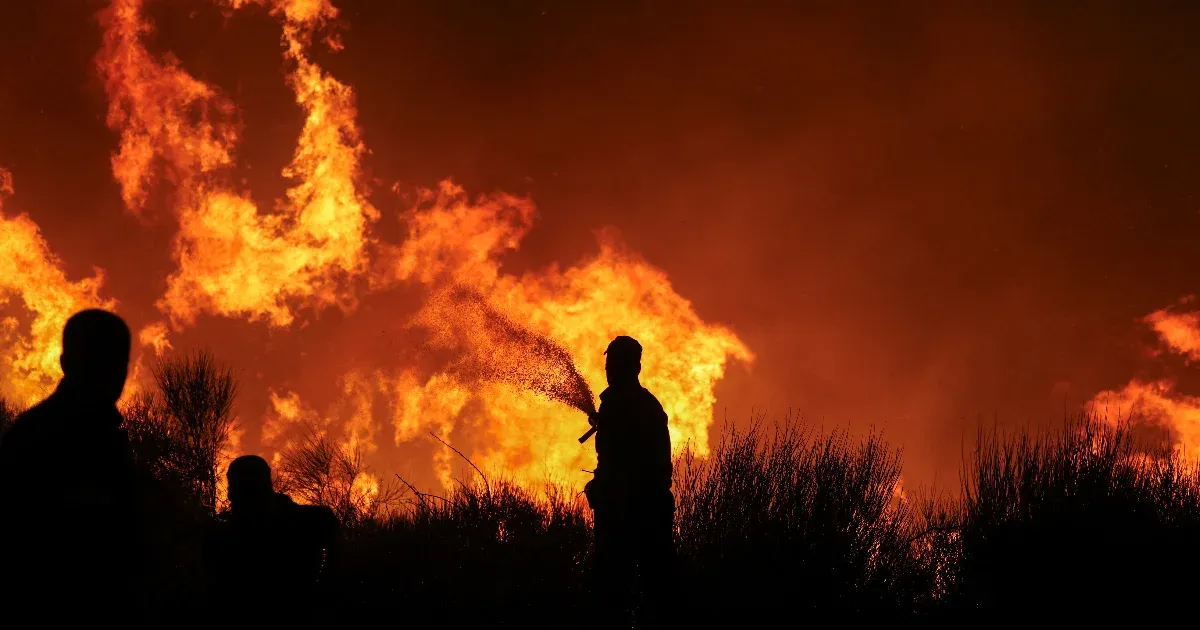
[268,557]
[630,494]
[70,525]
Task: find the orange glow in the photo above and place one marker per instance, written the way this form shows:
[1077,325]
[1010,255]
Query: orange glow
[152,102]
[316,247]
[32,335]
[1159,403]
[454,243]
[234,259]
[231,450]
[1180,331]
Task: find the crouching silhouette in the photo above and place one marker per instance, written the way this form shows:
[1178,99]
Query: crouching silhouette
[268,557]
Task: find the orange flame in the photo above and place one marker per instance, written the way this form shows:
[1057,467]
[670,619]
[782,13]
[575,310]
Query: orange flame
[162,112]
[452,242]
[230,451]
[1179,331]
[236,260]
[31,272]
[290,416]
[1159,402]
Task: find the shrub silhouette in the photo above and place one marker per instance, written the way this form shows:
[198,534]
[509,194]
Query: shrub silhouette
[178,432]
[1079,521]
[318,472]
[797,523]
[196,396]
[493,554]
[8,413]
[790,523]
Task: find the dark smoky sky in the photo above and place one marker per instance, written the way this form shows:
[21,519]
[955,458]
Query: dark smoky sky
[917,214]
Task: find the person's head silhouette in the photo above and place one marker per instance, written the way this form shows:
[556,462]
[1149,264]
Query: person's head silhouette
[623,361]
[250,487]
[95,355]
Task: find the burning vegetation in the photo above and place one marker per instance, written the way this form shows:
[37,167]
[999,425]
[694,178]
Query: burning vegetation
[499,375]
[508,356]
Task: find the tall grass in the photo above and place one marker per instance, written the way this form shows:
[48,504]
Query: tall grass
[1074,522]
[784,524]
[797,523]
[794,522]
[8,414]
[486,554]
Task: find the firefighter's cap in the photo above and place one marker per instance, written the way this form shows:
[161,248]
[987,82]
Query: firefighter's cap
[625,347]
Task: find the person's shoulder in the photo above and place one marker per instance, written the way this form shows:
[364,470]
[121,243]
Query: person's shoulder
[314,522]
[648,398]
[29,425]
[320,514]
[46,408]
[284,502]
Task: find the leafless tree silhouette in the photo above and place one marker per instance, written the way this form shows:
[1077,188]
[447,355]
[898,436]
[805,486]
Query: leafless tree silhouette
[319,472]
[181,429]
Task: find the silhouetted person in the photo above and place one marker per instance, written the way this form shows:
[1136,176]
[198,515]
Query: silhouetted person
[70,524]
[630,494]
[267,557]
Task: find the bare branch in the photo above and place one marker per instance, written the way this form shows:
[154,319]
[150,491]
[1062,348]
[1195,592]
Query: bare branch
[468,460]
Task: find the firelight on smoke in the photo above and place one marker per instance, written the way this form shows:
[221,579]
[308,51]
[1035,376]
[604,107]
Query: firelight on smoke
[518,351]
[30,271]
[1160,402]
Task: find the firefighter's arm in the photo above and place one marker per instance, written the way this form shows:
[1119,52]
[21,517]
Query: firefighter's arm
[594,422]
[663,452]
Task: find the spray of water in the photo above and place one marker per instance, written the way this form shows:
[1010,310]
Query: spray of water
[489,346]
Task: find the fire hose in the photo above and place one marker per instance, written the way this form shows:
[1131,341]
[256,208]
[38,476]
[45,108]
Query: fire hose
[592,431]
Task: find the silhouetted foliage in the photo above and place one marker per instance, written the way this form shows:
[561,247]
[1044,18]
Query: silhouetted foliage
[195,398]
[787,524]
[318,472]
[487,554]
[178,432]
[1073,522]
[8,413]
[798,523]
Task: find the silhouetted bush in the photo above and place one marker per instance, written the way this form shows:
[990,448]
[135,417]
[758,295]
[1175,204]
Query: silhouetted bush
[178,433]
[318,472]
[797,523]
[792,524]
[1076,522]
[487,554]
[8,413]
[194,405]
